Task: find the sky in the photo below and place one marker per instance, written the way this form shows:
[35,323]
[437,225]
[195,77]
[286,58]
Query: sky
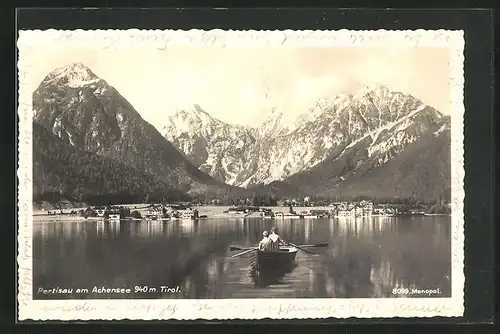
[241,85]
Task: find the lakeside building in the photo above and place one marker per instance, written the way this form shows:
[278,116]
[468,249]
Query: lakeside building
[359,209]
[244,209]
[381,211]
[100,212]
[55,212]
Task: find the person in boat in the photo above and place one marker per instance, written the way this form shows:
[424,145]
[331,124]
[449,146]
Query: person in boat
[275,240]
[264,243]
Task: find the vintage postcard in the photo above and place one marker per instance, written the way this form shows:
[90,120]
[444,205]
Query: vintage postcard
[240,174]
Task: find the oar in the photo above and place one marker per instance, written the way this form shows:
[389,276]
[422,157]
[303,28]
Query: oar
[235,248]
[315,245]
[302,249]
[247,251]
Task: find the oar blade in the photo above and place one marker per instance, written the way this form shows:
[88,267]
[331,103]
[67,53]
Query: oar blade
[245,252]
[306,251]
[302,249]
[314,245]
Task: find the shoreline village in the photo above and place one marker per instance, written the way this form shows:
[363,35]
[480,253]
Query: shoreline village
[191,211]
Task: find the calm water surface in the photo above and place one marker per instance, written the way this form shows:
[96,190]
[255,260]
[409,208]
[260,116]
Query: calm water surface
[365,258]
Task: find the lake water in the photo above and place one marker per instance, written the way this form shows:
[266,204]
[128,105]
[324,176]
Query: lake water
[365,258]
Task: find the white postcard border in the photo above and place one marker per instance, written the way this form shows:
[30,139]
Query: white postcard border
[221,309]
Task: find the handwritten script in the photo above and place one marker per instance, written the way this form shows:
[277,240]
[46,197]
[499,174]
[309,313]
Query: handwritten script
[219,38]
[163,310]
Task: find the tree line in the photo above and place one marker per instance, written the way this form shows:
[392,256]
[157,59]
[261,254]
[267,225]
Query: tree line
[60,170]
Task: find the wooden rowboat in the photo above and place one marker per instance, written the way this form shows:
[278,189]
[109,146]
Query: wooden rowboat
[272,261]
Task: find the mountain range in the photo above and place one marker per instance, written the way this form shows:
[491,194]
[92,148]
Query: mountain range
[377,143]
[85,113]
[88,139]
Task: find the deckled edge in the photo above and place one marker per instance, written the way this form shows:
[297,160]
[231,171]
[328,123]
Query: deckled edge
[457,82]
[244,309]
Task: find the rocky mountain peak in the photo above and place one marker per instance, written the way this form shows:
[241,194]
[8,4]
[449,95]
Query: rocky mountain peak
[274,125]
[72,75]
[375,120]
[322,105]
[88,114]
[274,118]
[199,114]
[377,89]
[189,121]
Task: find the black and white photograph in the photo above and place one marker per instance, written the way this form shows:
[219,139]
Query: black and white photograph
[250,172]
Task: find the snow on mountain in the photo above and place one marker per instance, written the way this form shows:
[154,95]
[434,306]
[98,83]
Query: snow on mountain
[213,146]
[322,105]
[275,125]
[443,128]
[399,138]
[73,75]
[385,117]
[382,121]
[88,114]
[419,170]
[335,143]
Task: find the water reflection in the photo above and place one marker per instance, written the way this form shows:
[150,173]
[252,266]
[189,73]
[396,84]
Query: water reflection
[365,258]
[266,278]
[307,230]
